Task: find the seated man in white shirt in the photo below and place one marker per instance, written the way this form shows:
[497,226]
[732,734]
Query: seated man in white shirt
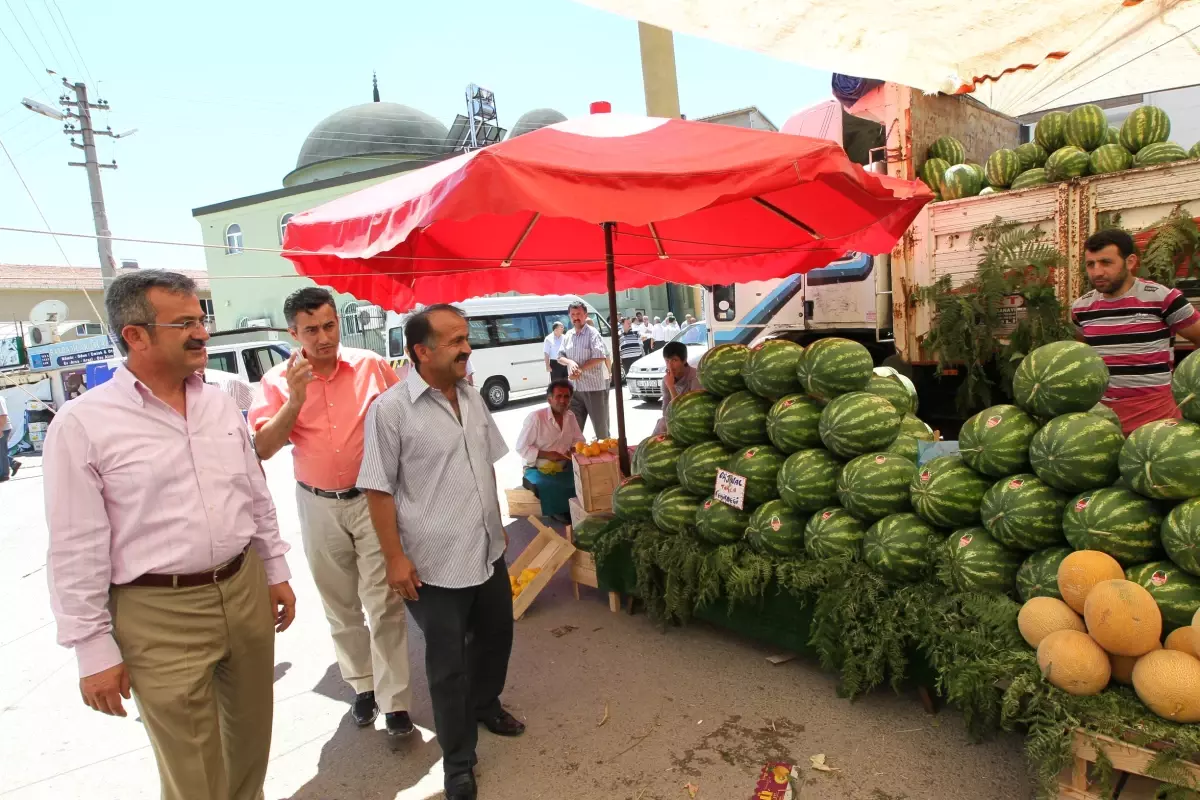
[548,437]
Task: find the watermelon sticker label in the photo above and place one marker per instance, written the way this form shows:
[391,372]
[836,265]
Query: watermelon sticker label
[788,403]
[993,421]
[965,539]
[660,438]
[826,515]
[749,454]
[925,476]
[880,460]
[1083,503]
[1159,578]
[708,504]
[776,524]
[1016,483]
[1170,423]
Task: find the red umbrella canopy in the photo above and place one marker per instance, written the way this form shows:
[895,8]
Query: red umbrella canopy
[693,203]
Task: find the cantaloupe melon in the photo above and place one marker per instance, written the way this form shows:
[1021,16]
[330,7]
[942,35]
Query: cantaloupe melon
[1072,661]
[1181,639]
[1042,616]
[1122,667]
[1168,682]
[1082,570]
[1122,617]
[1196,632]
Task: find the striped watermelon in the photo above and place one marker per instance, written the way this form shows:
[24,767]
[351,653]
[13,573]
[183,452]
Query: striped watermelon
[1113,136]
[947,493]
[718,523]
[770,369]
[875,485]
[1116,521]
[961,181]
[741,419]
[776,529]
[1159,153]
[1185,385]
[759,464]
[1194,151]
[834,366]
[899,547]
[1066,163]
[1003,166]
[980,172]
[948,148]
[979,563]
[932,172]
[906,446]
[697,467]
[917,428]
[1030,177]
[858,423]
[1109,158]
[720,370]
[1086,127]
[1180,534]
[1176,592]
[808,479]
[639,456]
[1059,378]
[1032,155]
[792,423]
[893,387]
[996,441]
[1050,133]
[1038,575]
[690,417]
[834,532]
[1077,451]
[633,500]
[1024,513]
[588,531]
[659,465]
[1161,460]
[1145,125]
[674,510]
[1104,412]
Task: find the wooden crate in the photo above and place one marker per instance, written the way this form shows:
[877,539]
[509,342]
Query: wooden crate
[596,478]
[583,571]
[1125,757]
[547,552]
[522,503]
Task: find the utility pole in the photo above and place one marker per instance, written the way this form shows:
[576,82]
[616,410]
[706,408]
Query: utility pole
[82,111]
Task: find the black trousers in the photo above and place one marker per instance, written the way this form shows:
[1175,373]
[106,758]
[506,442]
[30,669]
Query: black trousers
[626,363]
[558,372]
[468,639]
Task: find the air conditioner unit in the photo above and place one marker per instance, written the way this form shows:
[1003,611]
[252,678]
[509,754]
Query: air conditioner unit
[261,322]
[370,318]
[42,334]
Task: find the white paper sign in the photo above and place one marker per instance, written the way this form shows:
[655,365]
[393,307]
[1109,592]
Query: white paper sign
[730,488]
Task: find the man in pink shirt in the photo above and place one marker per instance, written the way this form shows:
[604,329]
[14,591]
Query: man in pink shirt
[317,400]
[166,568]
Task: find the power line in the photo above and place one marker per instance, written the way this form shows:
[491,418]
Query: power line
[27,37]
[66,46]
[21,58]
[71,34]
[33,18]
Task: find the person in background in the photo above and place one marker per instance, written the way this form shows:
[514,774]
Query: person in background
[431,488]
[232,385]
[642,326]
[607,358]
[584,356]
[1132,323]
[631,346]
[670,328]
[547,438]
[550,350]
[657,335]
[681,378]
[166,568]
[8,466]
[317,400]
[688,321]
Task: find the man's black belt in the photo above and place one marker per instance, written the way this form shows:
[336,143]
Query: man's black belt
[345,494]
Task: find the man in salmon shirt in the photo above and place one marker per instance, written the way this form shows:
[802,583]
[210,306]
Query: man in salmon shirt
[1132,323]
[318,400]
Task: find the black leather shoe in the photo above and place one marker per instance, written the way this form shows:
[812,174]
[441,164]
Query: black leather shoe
[364,709]
[503,723]
[461,787]
[398,723]
[13,466]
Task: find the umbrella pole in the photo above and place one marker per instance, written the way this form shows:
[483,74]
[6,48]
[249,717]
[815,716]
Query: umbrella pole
[615,332]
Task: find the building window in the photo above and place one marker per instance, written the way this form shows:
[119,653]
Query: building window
[233,239]
[350,323]
[206,305]
[283,222]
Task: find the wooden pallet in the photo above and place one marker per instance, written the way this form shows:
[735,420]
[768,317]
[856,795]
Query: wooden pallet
[1126,758]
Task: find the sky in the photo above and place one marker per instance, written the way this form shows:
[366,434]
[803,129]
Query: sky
[222,95]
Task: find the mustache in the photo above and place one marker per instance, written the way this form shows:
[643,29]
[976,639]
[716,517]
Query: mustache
[463,357]
[194,344]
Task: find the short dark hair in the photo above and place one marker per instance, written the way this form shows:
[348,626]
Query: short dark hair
[561,383]
[308,300]
[576,304]
[557,324]
[419,328]
[675,350]
[126,302]
[1102,239]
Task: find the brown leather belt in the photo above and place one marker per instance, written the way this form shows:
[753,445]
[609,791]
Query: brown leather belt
[344,494]
[206,578]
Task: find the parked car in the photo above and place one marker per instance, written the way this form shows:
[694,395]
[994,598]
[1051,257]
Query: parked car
[646,374]
[248,360]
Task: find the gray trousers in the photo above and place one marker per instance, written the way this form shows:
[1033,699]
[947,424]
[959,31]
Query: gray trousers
[595,405]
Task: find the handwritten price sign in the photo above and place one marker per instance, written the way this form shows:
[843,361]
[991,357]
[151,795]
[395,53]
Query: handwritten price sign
[730,488]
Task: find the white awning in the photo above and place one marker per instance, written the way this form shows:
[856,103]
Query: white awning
[1018,56]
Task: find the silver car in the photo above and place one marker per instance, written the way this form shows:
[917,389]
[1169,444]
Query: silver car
[646,375]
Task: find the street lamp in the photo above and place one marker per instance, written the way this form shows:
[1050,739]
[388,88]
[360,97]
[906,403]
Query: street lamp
[43,109]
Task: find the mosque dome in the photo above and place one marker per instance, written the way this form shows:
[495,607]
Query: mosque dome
[537,118]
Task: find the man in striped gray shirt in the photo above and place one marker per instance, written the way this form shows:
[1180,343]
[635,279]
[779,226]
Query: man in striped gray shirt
[430,444]
[583,355]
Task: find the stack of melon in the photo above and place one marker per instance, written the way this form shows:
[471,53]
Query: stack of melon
[1066,145]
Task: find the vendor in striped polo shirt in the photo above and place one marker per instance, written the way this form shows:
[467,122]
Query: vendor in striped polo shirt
[1132,323]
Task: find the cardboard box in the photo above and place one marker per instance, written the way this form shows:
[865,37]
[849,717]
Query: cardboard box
[596,478]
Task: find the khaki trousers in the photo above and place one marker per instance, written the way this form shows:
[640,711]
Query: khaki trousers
[201,664]
[351,574]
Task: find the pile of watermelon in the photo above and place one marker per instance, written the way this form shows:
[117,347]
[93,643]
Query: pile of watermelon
[1066,145]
